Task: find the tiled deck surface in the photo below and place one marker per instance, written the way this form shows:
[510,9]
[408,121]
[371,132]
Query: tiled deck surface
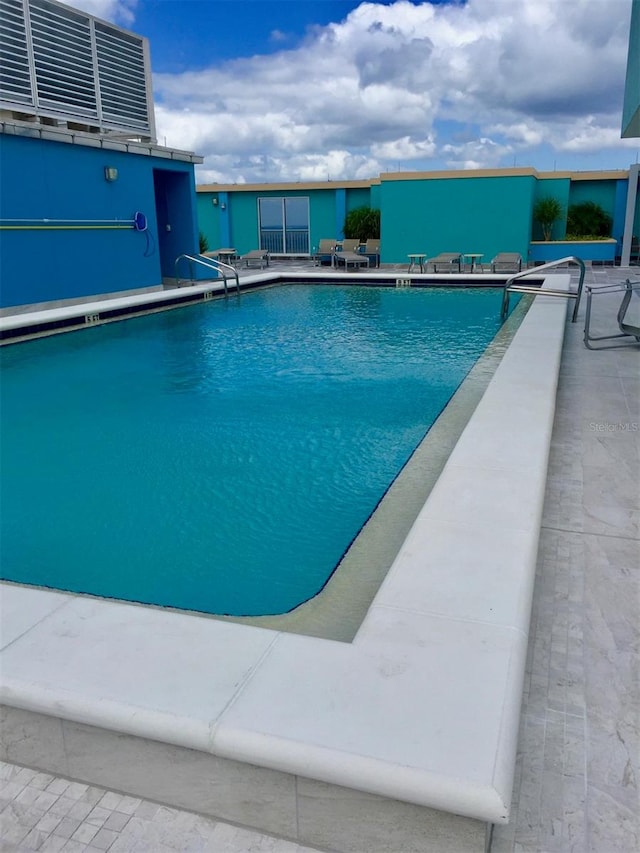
[576,786]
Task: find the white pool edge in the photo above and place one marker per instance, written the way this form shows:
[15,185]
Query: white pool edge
[423,706]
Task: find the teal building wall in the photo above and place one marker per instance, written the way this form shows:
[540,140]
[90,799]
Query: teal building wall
[611,195]
[233,221]
[600,192]
[482,212]
[360,197]
[558,188]
[455,214]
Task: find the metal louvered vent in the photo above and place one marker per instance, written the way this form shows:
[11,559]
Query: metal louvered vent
[121,72]
[63,58]
[63,65]
[15,74]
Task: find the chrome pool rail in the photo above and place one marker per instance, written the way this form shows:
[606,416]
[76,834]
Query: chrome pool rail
[509,287]
[627,330]
[211,263]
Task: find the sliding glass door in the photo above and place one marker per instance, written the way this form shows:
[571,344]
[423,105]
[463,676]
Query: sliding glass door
[284,225]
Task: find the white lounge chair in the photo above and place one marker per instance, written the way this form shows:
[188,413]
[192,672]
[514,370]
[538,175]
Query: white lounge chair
[324,252]
[506,262]
[350,244]
[256,256]
[372,250]
[449,261]
[350,259]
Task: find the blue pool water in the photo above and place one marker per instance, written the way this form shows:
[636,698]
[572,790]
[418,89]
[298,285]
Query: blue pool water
[222,457]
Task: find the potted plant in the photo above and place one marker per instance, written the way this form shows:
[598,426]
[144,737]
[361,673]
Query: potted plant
[547,211]
[588,220]
[362,223]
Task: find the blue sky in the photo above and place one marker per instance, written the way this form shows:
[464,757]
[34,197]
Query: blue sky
[271,90]
[188,34]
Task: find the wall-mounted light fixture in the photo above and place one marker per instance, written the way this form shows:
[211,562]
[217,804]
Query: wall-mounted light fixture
[223,206]
[110,173]
[214,201]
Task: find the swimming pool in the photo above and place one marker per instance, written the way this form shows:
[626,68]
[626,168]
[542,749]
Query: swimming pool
[221,458]
[421,706]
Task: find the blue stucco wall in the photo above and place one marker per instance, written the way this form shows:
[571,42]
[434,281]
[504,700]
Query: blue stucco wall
[43,179]
[604,250]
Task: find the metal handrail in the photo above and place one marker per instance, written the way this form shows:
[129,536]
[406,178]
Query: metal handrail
[509,287]
[212,263]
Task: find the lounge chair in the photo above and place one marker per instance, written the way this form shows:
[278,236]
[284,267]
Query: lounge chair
[448,261]
[225,256]
[371,250]
[256,256]
[350,245]
[350,259]
[629,331]
[324,252]
[506,262]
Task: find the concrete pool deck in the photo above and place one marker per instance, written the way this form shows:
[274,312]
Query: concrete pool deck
[588,527]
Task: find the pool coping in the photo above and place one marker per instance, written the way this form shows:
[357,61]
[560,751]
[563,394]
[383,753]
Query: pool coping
[382,714]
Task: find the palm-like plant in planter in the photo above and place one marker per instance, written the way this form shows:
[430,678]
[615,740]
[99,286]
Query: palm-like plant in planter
[546,211]
[362,223]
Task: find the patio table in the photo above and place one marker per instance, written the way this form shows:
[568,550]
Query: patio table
[227,256]
[416,259]
[474,260]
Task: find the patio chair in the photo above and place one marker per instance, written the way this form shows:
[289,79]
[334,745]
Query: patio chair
[506,262]
[256,256]
[324,252]
[350,245]
[448,261]
[371,250]
[629,331]
[350,259]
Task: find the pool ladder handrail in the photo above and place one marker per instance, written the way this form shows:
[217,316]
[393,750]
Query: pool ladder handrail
[509,287]
[211,263]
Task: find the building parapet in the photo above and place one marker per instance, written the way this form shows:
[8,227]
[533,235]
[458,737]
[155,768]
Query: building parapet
[37,130]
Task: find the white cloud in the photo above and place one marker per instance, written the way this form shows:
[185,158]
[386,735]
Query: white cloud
[404,149]
[476,154]
[591,137]
[462,85]
[521,133]
[119,11]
